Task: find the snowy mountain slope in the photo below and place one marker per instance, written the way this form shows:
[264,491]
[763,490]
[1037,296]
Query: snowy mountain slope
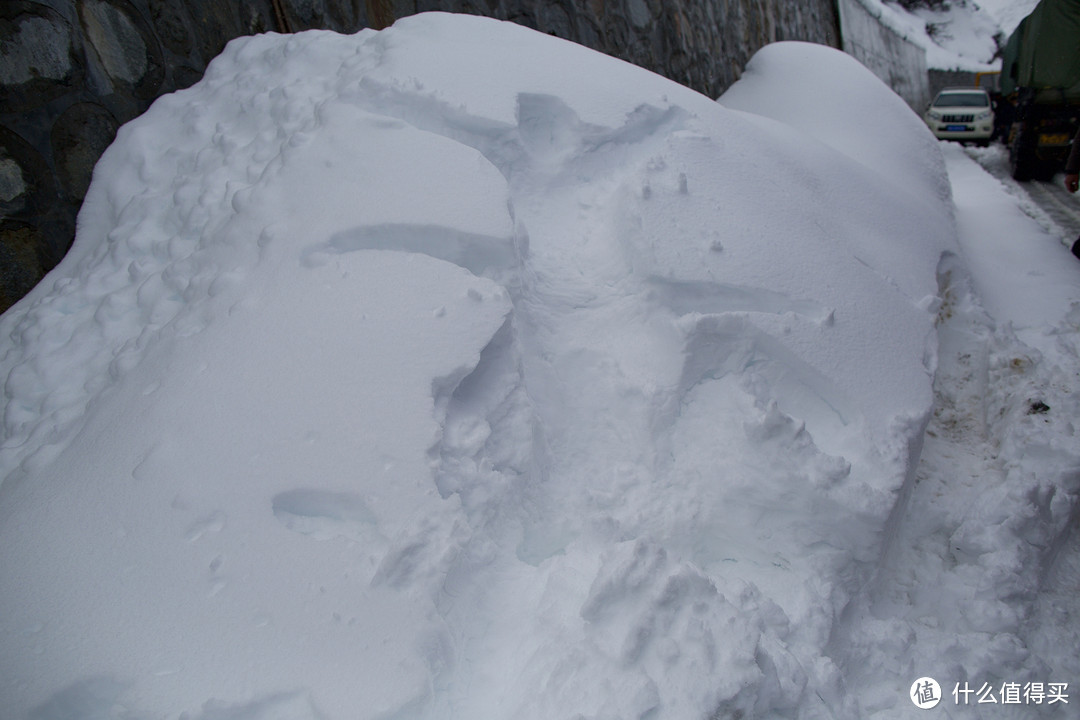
[456,371]
[1007,13]
[958,35]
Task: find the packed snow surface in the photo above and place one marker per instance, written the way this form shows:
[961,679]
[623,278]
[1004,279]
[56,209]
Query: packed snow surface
[457,371]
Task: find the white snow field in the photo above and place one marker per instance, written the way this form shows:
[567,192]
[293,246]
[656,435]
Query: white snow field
[455,371]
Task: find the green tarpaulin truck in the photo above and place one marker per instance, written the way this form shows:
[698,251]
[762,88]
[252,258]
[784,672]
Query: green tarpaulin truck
[1040,77]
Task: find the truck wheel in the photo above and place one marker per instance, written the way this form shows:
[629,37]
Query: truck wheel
[1022,159]
[1046,171]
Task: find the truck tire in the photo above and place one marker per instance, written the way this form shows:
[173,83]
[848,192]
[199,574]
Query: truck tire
[1022,159]
[1045,171]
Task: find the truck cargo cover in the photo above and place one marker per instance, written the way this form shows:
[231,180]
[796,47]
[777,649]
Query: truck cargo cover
[1044,51]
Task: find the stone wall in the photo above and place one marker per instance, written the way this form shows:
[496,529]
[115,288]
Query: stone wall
[73,71]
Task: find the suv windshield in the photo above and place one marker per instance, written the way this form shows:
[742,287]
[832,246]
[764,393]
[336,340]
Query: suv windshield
[962,100]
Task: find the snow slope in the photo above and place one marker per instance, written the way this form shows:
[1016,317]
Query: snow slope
[457,371]
[1007,13]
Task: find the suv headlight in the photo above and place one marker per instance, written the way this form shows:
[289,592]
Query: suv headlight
[934,115]
[984,115]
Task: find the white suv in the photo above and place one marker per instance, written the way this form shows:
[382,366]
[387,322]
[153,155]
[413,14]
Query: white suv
[962,114]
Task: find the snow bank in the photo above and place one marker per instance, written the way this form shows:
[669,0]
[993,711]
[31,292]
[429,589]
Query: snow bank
[456,371]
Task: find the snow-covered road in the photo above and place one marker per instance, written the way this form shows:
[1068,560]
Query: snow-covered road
[1047,202]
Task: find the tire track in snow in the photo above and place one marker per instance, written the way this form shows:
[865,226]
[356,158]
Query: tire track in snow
[1047,203]
[1062,207]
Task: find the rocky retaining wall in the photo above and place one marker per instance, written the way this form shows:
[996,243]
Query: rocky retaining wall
[72,72]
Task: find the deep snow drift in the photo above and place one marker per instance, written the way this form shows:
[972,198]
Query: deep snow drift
[457,371]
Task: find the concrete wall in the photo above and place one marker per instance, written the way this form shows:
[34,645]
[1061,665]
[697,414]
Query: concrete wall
[71,72]
[898,62]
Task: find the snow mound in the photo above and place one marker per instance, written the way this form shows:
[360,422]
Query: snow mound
[783,81]
[456,371]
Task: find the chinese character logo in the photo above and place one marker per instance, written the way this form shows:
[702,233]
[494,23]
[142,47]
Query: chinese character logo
[925,693]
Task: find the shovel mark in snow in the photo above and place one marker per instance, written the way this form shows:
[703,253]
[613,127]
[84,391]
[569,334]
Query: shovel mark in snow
[549,130]
[93,697]
[323,514]
[483,255]
[688,296]
[718,345]
[487,427]
[553,134]
[213,523]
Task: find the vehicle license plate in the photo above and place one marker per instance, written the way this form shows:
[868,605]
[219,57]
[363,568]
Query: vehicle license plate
[1054,139]
[955,128]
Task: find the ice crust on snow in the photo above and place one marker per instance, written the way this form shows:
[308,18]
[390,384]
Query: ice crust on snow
[457,371]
